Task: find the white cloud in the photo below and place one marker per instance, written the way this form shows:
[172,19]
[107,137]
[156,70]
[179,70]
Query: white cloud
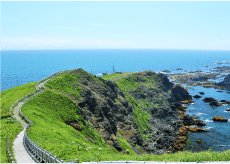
[69,28]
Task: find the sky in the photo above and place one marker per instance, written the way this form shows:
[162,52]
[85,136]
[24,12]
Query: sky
[196,25]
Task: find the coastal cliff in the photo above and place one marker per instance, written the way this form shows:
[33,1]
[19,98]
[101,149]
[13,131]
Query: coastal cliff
[143,108]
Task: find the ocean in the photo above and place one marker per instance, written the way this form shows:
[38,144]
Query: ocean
[23,66]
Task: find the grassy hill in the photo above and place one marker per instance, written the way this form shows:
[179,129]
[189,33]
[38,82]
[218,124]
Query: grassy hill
[80,116]
[8,126]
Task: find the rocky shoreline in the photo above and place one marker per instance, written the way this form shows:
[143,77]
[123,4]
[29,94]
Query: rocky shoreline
[199,78]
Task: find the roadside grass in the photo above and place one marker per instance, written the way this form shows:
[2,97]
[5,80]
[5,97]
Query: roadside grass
[114,75]
[67,83]
[50,77]
[8,126]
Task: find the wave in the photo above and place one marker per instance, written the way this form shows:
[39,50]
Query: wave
[207,120]
[222,145]
[209,128]
[198,114]
[100,74]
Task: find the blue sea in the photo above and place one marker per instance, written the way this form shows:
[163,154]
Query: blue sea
[22,66]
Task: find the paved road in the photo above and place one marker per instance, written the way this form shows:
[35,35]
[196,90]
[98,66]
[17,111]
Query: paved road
[20,153]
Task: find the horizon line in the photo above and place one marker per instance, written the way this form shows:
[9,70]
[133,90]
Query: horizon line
[114,49]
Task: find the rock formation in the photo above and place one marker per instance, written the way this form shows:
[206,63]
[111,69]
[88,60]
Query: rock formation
[112,111]
[220,119]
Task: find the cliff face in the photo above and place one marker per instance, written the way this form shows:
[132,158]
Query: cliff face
[143,108]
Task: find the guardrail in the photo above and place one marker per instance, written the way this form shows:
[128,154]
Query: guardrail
[8,151]
[36,151]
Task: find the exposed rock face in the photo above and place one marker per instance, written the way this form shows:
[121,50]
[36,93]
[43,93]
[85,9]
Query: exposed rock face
[209,99]
[104,105]
[215,103]
[200,78]
[221,119]
[197,96]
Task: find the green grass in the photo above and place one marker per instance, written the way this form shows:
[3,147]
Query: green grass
[125,145]
[141,117]
[113,76]
[8,126]
[66,83]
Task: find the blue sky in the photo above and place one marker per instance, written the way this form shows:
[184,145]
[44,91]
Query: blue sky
[115,25]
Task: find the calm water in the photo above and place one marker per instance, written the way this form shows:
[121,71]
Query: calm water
[20,67]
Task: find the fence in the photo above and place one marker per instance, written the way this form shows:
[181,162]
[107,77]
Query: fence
[8,151]
[36,151]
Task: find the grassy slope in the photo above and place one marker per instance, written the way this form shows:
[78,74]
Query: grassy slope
[114,75]
[8,126]
[50,110]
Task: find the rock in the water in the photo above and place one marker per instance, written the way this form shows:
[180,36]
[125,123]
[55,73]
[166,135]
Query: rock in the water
[199,141]
[215,103]
[197,96]
[209,99]
[197,129]
[219,91]
[228,92]
[186,101]
[201,93]
[184,107]
[179,69]
[221,119]
[166,71]
[223,101]
[228,110]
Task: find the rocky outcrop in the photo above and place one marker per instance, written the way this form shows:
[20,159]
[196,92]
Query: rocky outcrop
[199,141]
[104,105]
[215,103]
[209,99]
[225,84]
[197,96]
[220,119]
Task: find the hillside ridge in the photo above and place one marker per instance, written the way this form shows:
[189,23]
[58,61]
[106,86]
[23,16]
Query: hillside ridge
[144,108]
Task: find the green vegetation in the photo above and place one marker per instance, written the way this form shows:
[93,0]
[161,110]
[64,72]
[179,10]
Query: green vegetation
[50,111]
[141,117]
[8,126]
[113,76]
[121,132]
[50,77]
[67,83]
[125,145]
